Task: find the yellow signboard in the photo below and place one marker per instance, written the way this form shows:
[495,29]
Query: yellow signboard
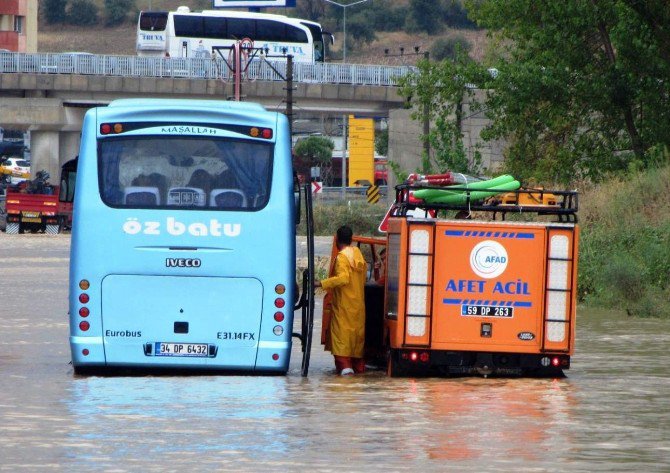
[361,151]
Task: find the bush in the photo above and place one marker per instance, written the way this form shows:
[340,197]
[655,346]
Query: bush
[363,218]
[455,15]
[116,11]
[624,254]
[422,17]
[54,11]
[448,48]
[82,13]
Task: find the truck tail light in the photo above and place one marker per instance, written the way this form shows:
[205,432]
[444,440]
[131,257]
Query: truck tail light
[419,286]
[557,303]
[559,293]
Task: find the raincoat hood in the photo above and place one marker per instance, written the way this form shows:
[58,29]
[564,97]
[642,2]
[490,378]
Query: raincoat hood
[355,258]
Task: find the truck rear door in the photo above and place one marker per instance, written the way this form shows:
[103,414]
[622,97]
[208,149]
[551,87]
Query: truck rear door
[488,291]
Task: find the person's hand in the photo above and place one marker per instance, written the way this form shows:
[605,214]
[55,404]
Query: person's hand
[317,283]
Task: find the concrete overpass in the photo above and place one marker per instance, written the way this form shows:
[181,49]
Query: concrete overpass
[49,94]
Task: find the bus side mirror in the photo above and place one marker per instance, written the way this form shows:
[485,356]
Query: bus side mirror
[296,198]
[62,195]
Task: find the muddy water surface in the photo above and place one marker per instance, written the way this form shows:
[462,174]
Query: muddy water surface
[612,412]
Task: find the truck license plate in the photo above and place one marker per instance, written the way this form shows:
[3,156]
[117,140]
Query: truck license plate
[181,349]
[487,311]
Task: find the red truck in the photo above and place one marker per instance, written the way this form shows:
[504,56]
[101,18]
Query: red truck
[36,205]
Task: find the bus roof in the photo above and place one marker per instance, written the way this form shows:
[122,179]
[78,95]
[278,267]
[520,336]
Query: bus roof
[232,14]
[153,103]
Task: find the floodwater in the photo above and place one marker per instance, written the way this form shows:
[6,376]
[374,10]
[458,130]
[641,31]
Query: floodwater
[612,412]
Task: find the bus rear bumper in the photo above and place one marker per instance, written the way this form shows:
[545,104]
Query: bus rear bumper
[270,358]
[87,351]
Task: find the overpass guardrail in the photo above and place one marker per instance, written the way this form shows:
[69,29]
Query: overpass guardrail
[197,68]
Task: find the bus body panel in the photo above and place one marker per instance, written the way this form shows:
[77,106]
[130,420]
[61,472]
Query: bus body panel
[142,261]
[180,309]
[184,33]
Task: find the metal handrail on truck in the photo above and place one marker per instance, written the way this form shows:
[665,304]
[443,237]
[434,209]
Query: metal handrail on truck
[564,206]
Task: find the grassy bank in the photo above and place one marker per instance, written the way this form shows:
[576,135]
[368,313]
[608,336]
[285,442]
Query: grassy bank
[625,244]
[363,218]
[624,260]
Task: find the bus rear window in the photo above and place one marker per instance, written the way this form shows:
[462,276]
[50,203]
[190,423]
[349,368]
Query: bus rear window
[187,172]
[153,21]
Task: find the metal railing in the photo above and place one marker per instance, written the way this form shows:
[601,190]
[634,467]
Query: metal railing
[197,68]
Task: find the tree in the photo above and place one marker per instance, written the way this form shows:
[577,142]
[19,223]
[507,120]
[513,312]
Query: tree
[313,151]
[382,142]
[423,16]
[448,48]
[116,11]
[584,85]
[310,9]
[82,13]
[441,88]
[54,11]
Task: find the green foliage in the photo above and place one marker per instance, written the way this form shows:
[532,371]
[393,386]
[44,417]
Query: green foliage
[382,142]
[82,13]
[314,150]
[117,11]
[443,88]
[583,88]
[455,15]
[310,9]
[387,17]
[363,218]
[423,17]
[54,11]
[449,48]
[624,259]
[359,26]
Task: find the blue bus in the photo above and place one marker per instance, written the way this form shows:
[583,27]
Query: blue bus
[183,239]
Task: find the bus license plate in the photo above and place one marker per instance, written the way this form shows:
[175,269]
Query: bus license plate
[181,349]
[487,311]
[27,214]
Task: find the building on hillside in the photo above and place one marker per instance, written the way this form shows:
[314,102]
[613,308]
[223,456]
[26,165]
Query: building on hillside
[18,25]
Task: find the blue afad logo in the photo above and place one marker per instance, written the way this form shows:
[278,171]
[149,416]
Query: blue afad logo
[488,259]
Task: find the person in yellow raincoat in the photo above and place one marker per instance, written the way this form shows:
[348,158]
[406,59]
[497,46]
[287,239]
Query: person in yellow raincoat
[347,325]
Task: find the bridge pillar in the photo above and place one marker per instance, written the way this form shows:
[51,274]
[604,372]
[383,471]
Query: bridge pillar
[68,146]
[44,151]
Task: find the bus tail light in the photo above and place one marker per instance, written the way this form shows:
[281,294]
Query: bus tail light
[261,133]
[84,326]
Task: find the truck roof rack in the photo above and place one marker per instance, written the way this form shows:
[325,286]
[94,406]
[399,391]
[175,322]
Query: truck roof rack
[562,204]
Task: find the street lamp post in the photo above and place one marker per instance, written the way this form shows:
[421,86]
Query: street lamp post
[344,23]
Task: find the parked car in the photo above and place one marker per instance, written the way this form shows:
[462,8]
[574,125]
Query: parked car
[15,170]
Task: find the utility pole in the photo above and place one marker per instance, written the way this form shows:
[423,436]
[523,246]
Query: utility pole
[425,106]
[344,24]
[426,119]
[289,93]
[345,147]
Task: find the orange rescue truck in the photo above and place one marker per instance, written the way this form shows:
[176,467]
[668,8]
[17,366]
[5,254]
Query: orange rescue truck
[483,296]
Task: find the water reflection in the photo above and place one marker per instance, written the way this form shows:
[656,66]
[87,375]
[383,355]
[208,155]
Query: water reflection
[611,414]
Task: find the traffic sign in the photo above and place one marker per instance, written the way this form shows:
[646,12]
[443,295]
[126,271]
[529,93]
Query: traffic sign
[373,194]
[317,187]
